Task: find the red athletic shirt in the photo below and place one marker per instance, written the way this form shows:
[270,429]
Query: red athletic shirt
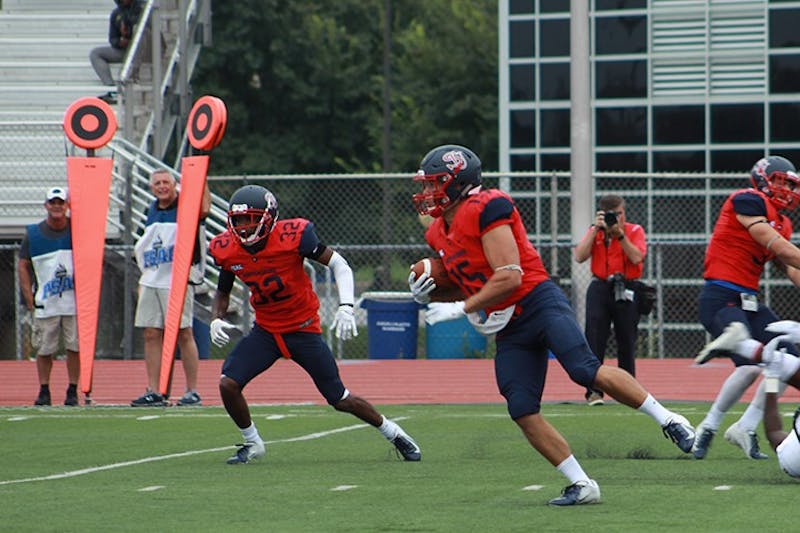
[610,259]
[280,290]
[460,247]
[733,255]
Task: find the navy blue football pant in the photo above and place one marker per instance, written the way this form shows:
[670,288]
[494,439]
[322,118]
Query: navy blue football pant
[719,306]
[259,349]
[543,321]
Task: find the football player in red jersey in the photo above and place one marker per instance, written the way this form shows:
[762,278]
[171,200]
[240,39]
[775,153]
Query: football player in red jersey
[480,236]
[750,231]
[267,255]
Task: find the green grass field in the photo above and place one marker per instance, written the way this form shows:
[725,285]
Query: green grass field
[122,469]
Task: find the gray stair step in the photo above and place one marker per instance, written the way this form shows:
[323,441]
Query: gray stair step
[85,25]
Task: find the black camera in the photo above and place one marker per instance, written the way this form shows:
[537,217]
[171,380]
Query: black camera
[610,218]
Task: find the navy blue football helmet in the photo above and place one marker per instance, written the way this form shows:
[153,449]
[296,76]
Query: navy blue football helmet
[252,213]
[777,177]
[447,174]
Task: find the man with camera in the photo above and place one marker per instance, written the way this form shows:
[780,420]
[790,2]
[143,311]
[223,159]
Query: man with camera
[617,249]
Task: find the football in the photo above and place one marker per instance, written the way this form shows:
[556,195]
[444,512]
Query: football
[435,269]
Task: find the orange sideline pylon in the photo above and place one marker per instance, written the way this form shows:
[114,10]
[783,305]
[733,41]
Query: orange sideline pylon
[88,123]
[193,181]
[89,180]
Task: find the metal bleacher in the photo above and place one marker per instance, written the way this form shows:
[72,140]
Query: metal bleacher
[44,67]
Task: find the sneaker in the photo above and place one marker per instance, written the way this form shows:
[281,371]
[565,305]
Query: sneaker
[702,441]
[679,431]
[579,493]
[190,398]
[42,399]
[247,452]
[149,399]
[746,440]
[734,333]
[406,446]
[71,399]
[595,398]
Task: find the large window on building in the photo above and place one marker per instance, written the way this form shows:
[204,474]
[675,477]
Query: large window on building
[554,81]
[784,122]
[737,123]
[523,129]
[783,24]
[679,124]
[621,79]
[740,161]
[521,82]
[621,35]
[680,161]
[555,127]
[621,126]
[621,161]
[554,37]
[601,5]
[784,73]
[521,38]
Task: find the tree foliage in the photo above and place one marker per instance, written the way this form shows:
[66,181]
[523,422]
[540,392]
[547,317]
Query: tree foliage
[303,82]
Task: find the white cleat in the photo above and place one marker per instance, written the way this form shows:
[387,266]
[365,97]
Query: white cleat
[247,452]
[746,440]
[579,493]
[734,333]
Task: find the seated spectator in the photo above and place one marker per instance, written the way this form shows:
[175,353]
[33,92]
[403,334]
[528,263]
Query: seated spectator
[120,32]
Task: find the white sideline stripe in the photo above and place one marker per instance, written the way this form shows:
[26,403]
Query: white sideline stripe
[344,487]
[114,466]
[533,487]
[723,487]
[151,489]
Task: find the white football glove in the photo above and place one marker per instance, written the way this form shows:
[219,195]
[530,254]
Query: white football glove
[421,288]
[218,335]
[344,323]
[788,328]
[443,311]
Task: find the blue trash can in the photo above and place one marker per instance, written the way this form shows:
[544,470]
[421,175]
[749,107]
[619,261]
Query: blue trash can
[454,339]
[392,327]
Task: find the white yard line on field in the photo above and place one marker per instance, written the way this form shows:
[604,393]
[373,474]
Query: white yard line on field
[113,466]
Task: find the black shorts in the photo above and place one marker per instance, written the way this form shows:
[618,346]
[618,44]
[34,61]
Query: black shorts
[259,349]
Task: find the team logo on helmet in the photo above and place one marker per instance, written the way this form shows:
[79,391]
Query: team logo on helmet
[455,161]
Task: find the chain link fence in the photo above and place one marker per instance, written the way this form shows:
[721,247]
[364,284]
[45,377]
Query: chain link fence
[369,219]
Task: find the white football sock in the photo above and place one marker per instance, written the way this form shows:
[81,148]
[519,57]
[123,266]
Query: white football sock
[730,392]
[572,470]
[754,413]
[388,428]
[654,409]
[250,433]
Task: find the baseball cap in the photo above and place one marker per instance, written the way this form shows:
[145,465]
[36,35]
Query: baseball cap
[57,192]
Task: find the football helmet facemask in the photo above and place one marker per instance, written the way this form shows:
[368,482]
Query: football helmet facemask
[252,213]
[447,173]
[777,177]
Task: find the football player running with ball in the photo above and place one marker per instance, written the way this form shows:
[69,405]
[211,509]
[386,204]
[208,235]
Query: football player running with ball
[480,236]
[267,255]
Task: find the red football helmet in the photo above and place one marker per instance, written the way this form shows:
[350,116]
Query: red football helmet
[777,177]
[447,174]
[252,213]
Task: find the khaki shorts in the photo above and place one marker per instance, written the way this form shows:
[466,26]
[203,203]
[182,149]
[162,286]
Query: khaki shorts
[46,332]
[151,310]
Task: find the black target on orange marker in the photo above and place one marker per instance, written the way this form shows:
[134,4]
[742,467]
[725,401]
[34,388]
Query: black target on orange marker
[207,122]
[90,123]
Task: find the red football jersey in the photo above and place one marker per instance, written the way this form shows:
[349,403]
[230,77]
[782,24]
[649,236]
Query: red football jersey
[732,254]
[460,246]
[609,258]
[280,290]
